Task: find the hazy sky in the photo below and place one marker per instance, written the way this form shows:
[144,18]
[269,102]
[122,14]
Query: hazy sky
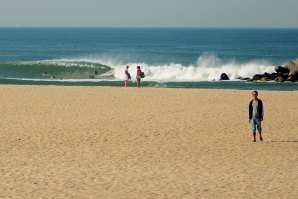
[150,13]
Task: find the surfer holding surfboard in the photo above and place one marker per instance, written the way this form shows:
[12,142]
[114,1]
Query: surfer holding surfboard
[140,75]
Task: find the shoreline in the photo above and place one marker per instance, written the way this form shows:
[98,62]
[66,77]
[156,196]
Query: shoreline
[149,87]
[221,85]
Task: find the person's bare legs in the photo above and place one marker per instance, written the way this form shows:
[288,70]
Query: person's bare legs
[126,83]
[138,83]
[261,138]
[260,129]
[254,134]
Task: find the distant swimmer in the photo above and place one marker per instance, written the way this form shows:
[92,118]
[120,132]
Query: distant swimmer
[45,74]
[127,76]
[93,76]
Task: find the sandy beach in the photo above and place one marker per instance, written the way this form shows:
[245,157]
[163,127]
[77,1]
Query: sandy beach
[108,142]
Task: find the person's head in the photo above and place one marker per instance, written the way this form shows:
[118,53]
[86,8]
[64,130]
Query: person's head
[255,94]
[127,67]
[138,67]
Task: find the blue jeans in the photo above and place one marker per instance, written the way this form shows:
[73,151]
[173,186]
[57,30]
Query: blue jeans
[256,123]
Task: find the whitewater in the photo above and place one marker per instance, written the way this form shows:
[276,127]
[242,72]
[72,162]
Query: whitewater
[208,67]
[179,58]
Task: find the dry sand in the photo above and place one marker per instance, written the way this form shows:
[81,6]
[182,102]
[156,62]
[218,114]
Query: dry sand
[101,142]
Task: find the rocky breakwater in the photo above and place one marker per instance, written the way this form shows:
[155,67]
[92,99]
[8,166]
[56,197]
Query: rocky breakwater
[289,72]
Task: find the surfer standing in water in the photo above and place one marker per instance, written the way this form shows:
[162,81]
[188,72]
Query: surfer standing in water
[127,76]
[138,77]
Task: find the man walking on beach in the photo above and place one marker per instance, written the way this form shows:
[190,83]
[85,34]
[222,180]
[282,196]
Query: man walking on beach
[256,114]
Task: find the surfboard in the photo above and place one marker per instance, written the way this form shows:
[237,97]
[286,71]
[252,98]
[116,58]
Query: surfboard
[142,74]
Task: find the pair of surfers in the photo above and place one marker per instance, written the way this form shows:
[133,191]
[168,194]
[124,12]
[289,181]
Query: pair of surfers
[128,77]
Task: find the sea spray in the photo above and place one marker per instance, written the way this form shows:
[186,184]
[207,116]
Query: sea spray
[208,67]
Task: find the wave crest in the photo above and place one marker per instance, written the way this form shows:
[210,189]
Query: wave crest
[208,66]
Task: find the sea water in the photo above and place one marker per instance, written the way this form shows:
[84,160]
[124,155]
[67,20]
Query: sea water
[170,57]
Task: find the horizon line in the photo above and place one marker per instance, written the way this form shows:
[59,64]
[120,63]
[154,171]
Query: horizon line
[148,27]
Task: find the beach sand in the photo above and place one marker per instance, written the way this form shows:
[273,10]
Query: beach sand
[105,142]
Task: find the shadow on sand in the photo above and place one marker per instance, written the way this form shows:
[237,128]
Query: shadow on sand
[285,141]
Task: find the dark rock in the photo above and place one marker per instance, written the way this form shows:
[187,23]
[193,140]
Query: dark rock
[287,73]
[267,75]
[293,78]
[274,75]
[257,77]
[285,76]
[296,77]
[279,79]
[243,78]
[224,76]
[280,69]
[264,79]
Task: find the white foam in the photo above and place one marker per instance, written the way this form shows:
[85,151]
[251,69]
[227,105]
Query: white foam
[62,80]
[208,67]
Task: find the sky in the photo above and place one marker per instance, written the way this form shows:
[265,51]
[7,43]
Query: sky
[150,13]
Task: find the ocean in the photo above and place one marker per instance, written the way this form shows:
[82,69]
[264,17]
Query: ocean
[170,57]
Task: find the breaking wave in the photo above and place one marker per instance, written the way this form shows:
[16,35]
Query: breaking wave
[207,67]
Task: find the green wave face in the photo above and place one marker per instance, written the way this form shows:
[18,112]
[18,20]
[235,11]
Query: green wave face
[57,69]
